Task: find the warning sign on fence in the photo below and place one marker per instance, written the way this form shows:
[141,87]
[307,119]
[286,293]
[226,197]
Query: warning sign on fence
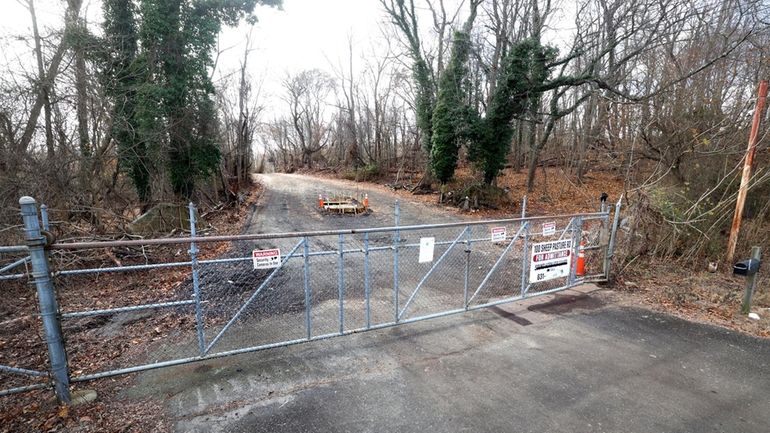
[550,260]
[266,259]
[498,234]
[549,229]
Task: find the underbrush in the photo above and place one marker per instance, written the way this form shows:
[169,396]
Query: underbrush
[554,191]
[369,173]
[665,222]
[92,344]
[696,294]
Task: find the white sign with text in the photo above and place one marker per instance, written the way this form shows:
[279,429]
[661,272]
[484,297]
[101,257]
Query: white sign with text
[550,260]
[266,259]
[498,234]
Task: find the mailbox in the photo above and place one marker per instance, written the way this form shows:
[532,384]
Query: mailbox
[746,267]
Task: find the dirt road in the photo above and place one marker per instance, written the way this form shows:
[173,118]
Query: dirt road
[290,203]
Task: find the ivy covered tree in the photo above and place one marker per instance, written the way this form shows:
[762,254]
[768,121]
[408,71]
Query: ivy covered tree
[120,79]
[403,16]
[518,91]
[450,116]
[166,121]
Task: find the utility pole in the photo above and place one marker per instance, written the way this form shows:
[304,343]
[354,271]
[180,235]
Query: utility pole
[747,163]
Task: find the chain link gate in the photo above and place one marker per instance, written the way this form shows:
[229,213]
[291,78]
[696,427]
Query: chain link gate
[326,284]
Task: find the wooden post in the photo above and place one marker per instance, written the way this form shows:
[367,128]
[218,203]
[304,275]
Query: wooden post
[733,241]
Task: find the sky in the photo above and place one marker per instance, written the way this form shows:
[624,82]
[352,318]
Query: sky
[303,34]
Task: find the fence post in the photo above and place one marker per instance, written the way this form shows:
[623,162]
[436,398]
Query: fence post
[341,281]
[577,235]
[524,254]
[49,310]
[756,254]
[611,245]
[196,283]
[306,279]
[396,240]
[367,288]
[467,265]
[604,239]
[524,260]
[44,217]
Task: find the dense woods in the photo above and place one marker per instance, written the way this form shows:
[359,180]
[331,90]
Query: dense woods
[124,114]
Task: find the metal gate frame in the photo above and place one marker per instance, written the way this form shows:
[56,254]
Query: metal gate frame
[42,275]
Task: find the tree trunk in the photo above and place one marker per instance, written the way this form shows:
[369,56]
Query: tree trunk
[44,86]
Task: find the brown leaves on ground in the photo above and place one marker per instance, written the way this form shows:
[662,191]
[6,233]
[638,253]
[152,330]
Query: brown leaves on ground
[109,414]
[699,296]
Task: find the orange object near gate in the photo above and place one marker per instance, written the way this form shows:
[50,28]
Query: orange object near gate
[320,201]
[580,269]
[366,201]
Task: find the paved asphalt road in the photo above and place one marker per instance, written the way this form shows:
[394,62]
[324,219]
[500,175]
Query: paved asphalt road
[565,363]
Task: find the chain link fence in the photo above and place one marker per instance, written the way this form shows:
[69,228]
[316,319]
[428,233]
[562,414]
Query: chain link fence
[213,300]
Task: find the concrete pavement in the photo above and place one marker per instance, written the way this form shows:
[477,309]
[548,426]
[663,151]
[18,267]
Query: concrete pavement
[563,363]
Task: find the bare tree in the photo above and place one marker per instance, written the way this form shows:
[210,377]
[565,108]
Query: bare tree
[240,109]
[307,96]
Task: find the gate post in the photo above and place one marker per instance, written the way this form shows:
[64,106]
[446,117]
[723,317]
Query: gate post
[396,241]
[49,310]
[610,253]
[577,235]
[44,217]
[193,251]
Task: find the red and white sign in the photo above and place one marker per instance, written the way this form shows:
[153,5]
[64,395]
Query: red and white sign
[498,234]
[549,229]
[266,259]
[550,260]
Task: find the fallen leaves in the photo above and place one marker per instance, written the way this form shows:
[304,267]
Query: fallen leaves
[699,296]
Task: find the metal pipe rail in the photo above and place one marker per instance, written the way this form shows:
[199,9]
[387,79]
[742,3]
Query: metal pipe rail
[14,249]
[261,236]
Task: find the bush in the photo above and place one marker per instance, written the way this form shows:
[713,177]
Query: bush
[369,172]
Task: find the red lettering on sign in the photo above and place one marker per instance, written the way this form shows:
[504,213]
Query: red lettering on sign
[265,253]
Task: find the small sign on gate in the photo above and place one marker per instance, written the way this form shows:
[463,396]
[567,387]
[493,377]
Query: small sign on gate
[426,250]
[498,234]
[266,259]
[550,260]
[549,228]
